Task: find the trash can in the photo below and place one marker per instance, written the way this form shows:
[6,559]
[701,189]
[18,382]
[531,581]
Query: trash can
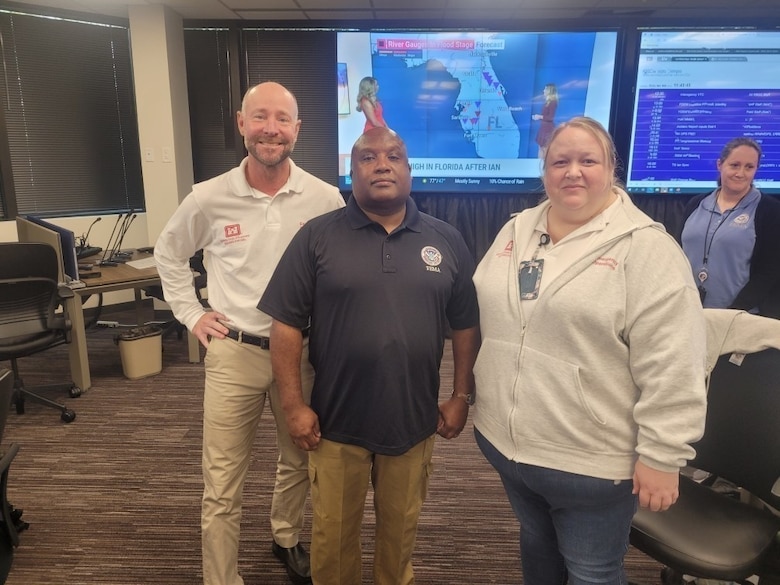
[141,351]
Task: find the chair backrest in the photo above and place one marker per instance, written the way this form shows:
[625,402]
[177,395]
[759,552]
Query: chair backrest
[28,299]
[741,441]
[28,259]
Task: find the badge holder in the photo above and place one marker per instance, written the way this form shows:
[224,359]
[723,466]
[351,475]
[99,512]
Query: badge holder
[530,275]
[702,276]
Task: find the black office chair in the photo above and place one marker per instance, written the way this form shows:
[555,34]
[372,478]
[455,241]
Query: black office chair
[29,322]
[199,281]
[710,534]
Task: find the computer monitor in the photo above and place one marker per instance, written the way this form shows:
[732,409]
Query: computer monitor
[696,89]
[34,229]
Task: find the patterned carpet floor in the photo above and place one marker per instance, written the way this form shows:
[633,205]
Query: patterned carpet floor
[114,497]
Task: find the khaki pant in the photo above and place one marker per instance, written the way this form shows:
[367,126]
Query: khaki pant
[340,476]
[238,381]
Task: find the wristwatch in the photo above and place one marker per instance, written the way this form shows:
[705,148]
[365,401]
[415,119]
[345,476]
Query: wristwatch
[469,398]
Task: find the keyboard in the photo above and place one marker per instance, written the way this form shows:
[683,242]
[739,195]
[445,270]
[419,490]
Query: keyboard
[88,251]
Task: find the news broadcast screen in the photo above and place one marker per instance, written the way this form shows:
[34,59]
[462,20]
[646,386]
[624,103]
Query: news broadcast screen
[473,107]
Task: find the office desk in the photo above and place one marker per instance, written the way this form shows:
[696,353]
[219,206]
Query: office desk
[112,278]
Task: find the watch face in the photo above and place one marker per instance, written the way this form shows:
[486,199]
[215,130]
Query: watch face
[468,398]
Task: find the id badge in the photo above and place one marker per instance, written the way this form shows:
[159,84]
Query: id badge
[530,275]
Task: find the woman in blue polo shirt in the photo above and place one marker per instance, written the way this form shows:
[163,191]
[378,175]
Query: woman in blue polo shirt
[732,237]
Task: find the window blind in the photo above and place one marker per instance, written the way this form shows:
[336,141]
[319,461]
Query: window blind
[69,108]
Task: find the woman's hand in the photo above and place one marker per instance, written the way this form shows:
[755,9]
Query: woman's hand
[657,490]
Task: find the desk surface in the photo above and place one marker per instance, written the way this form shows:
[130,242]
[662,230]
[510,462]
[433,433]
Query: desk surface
[119,277]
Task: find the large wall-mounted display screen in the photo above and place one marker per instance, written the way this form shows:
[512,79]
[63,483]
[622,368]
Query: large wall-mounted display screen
[695,91]
[472,107]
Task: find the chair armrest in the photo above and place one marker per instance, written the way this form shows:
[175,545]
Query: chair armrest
[65,292]
[61,320]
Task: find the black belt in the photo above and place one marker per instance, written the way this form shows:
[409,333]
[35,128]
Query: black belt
[261,342]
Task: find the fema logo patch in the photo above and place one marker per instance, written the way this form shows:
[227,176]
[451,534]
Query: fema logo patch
[431,256]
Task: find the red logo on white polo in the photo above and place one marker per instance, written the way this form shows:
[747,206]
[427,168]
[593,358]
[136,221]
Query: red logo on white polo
[232,231]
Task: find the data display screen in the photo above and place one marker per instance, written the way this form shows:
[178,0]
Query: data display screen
[695,91]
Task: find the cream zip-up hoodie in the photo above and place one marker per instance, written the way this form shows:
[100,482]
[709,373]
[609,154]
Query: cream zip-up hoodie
[609,366]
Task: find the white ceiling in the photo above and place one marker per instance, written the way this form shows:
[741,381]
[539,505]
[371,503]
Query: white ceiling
[436,11]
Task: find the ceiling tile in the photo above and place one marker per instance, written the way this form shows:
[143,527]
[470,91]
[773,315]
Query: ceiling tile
[433,15]
[484,6]
[643,4]
[324,6]
[421,5]
[340,14]
[567,5]
[472,14]
[536,13]
[260,5]
[704,5]
[271,14]
[694,15]
[433,11]
[198,9]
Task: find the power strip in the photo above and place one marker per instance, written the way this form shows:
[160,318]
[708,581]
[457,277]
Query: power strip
[107,323]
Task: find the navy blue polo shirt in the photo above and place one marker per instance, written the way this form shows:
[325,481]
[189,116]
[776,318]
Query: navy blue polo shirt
[379,305]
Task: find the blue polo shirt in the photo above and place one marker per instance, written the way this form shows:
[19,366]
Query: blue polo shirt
[722,245]
[379,305]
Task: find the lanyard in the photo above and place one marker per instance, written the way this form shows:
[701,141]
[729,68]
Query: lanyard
[708,246]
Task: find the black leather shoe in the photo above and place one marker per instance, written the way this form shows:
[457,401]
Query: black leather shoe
[296,561]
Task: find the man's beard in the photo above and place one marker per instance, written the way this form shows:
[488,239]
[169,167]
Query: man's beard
[255,150]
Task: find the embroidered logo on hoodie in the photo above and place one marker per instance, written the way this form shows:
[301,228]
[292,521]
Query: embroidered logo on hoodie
[605,261]
[507,251]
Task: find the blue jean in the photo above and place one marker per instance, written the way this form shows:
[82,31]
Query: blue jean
[573,528]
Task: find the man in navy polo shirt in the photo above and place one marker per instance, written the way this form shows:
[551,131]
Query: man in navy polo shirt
[379,282]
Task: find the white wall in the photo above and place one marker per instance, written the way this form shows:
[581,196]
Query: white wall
[160,78]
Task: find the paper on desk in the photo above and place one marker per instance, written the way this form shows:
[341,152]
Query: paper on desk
[142,263]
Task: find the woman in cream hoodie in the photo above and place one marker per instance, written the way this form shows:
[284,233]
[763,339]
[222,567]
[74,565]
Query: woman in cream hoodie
[591,376]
